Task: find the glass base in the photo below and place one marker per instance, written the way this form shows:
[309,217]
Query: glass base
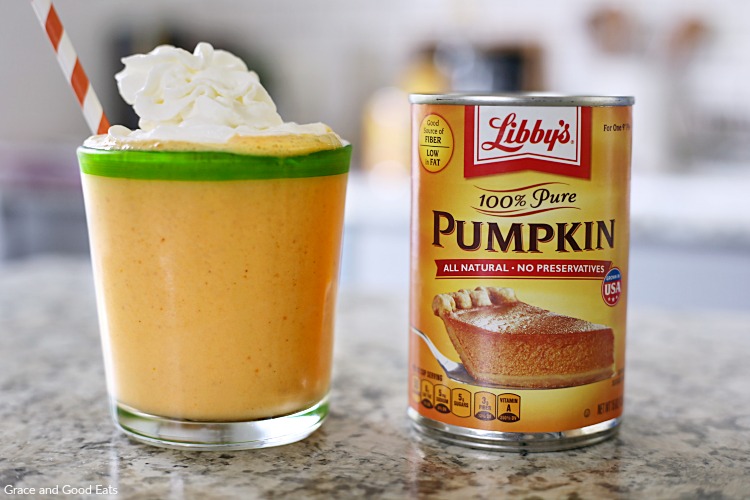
[515,441]
[192,435]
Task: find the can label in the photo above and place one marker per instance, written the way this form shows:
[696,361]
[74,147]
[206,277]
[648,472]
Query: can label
[520,236]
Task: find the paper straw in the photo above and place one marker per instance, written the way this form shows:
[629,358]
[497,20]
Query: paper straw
[71,66]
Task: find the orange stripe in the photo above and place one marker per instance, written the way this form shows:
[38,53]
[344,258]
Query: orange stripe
[79,81]
[54,27]
[103,125]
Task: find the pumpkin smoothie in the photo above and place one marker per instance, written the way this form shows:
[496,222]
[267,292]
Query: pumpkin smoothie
[215,239]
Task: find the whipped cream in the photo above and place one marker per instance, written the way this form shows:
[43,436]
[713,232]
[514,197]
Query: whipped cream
[208,96]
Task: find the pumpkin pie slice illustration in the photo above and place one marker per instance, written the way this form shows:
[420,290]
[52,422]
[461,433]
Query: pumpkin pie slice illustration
[505,342]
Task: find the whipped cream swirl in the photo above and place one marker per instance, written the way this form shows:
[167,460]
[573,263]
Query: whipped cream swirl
[207,96]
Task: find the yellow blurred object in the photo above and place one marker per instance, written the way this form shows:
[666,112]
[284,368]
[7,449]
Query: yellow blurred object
[423,75]
[386,131]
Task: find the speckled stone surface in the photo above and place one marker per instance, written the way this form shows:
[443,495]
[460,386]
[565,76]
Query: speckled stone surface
[686,431]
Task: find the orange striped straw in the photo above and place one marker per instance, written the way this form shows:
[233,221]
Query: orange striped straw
[71,66]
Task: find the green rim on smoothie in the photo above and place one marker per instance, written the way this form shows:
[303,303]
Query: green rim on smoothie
[210,166]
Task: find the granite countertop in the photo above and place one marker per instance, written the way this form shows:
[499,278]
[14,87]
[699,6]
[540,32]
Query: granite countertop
[686,431]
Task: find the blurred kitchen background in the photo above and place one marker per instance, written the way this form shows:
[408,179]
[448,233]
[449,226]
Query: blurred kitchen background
[352,65]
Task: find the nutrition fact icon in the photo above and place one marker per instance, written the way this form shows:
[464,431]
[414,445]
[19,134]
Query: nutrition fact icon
[509,407]
[485,406]
[462,403]
[435,143]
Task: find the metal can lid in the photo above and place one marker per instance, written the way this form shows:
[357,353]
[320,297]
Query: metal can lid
[521,99]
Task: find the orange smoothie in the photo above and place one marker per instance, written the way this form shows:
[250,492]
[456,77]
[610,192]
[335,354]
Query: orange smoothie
[215,231]
[216,297]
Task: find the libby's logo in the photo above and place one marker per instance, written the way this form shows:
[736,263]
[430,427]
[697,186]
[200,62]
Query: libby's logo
[510,132]
[500,139]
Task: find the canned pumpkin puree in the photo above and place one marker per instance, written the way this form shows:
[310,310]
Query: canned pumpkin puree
[519,263]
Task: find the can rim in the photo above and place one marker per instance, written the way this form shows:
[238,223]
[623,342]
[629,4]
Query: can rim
[521,99]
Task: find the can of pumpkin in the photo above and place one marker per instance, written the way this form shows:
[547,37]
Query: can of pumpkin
[519,263]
